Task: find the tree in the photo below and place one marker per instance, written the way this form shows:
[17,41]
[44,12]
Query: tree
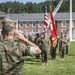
[29,7]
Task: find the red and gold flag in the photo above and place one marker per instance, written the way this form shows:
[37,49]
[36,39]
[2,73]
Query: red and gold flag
[53,28]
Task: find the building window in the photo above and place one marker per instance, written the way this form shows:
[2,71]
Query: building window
[63,23]
[27,24]
[40,24]
[40,30]
[64,30]
[21,25]
[33,30]
[33,24]
[27,31]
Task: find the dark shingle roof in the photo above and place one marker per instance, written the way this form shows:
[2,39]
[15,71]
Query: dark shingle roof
[29,17]
[40,16]
[62,16]
[2,14]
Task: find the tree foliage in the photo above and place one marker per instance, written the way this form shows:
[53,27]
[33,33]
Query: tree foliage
[29,7]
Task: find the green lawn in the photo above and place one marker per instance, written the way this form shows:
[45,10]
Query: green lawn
[34,66]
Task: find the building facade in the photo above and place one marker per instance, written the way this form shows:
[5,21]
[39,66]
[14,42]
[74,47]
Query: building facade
[33,22]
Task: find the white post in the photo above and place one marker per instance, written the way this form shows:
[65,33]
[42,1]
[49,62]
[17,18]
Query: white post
[70,20]
[8,12]
[17,24]
[56,9]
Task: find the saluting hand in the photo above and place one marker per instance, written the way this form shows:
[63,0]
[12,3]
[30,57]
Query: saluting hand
[19,35]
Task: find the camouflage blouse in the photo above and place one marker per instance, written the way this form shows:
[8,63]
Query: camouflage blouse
[11,57]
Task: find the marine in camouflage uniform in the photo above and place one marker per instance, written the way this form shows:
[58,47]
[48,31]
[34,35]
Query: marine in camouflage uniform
[36,39]
[11,52]
[12,59]
[62,45]
[53,49]
[43,45]
[67,41]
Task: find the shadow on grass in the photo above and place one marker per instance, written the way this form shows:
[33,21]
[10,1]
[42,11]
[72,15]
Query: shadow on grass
[32,60]
[33,63]
[71,54]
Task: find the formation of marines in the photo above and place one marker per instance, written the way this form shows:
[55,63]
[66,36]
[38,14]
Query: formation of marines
[44,42]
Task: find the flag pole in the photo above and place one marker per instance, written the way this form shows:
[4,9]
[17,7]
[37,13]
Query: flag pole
[70,20]
[45,18]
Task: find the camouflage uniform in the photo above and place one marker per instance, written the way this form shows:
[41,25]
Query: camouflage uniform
[43,45]
[36,39]
[67,43]
[62,46]
[52,50]
[11,57]
[11,53]
[1,38]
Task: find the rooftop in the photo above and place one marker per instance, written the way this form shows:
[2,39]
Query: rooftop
[38,16]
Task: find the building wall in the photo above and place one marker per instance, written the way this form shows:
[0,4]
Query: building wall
[30,28]
[60,28]
[37,28]
[58,23]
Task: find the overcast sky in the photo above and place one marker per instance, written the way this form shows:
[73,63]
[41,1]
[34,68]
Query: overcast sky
[24,1]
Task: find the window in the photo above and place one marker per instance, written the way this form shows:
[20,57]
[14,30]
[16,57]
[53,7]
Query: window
[33,24]
[40,24]
[33,30]
[27,24]
[27,31]
[40,30]
[63,23]
[21,24]
[63,30]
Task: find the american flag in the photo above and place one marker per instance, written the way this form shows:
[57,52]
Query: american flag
[45,19]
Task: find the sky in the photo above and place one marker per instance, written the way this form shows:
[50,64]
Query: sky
[24,1]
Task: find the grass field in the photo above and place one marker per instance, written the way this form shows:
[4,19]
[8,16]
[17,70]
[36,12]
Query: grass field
[34,66]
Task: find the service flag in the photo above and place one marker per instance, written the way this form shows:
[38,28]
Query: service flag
[53,28]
